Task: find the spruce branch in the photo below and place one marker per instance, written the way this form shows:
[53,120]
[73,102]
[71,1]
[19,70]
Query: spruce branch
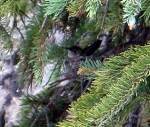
[115,85]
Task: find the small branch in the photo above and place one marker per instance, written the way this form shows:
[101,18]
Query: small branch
[53,84]
[104,17]
[22,21]
[105,13]
[20,32]
[35,120]
[52,74]
[44,23]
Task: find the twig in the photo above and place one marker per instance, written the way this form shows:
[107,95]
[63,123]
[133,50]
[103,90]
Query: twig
[35,120]
[44,23]
[105,13]
[22,21]
[52,74]
[20,32]
[15,26]
[104,17]
[53,84]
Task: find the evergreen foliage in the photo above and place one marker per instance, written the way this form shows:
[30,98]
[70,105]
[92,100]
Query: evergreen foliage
[75,7]
[31,49]
[88,67]
[118,84]
[146,8]
[55,52]
[5,38]
[17,7]
[34,49]
[115,86]
[53,7]
[131,9]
